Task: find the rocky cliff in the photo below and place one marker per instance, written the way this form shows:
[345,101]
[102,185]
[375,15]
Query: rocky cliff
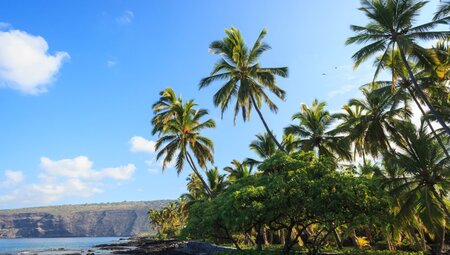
[108,219]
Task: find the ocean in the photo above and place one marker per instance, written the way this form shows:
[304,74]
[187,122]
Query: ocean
[14,246]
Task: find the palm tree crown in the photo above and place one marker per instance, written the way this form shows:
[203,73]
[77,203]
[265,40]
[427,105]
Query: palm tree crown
[315,133]
[246,81]
[390,27]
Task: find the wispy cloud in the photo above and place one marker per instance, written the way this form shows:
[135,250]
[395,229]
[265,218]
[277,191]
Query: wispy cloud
[4,25]
[59,179]
[126,18]
[111,63]
[12,178]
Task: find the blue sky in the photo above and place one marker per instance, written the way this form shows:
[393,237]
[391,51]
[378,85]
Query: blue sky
[78,78]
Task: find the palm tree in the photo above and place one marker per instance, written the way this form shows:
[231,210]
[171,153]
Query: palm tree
[163,110]
[196,189]
[180,138]
[216,181]
[237,171]
[351,125]
[382,113]
[443,10]
[263,146]
[315,133]
[246,81]
[391,27]
[426,179]
[400,81]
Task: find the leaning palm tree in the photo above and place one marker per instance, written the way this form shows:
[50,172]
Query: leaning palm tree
[246,80]
[400,80]
[391,26]
[181,139]
[315,133]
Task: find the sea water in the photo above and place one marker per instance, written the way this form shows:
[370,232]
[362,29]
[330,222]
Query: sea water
[14,246]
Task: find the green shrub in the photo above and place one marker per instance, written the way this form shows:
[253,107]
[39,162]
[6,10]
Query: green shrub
[380,252]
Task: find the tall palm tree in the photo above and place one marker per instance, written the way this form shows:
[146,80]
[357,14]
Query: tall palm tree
[425,183]
[315,133]
[382,113]
[180,138]
[246,80]
[391,26]
[400,80]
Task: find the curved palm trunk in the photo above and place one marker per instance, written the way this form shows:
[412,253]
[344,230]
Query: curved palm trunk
[194,168]
[422,94]
[265,124]
[429,123]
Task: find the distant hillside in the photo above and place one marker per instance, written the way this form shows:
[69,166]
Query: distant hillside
[105,219]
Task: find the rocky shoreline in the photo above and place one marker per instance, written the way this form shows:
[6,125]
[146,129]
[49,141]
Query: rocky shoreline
[140,246]
[146,245]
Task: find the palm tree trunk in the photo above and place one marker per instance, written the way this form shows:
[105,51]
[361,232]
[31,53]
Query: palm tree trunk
[265,124]
[194,168]
[428,122]
[422,94]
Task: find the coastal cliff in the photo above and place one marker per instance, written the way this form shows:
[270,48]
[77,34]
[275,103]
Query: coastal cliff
[107,219]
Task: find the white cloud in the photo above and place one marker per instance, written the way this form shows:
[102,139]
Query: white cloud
[60,179]
[12,178]
[125,18]
[25,64]
[81,168]
[140,144]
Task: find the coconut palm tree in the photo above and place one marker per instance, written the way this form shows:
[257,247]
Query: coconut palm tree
[400,81]
[351,126]
[246,80]
[263,146]
[215,181]
[163,110]
[237,171]
[382,113]
[180,139]
[315,133]
[425,183]
[390,27]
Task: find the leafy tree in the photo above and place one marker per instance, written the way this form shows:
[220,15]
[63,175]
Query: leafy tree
[390,27]
[246,80]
